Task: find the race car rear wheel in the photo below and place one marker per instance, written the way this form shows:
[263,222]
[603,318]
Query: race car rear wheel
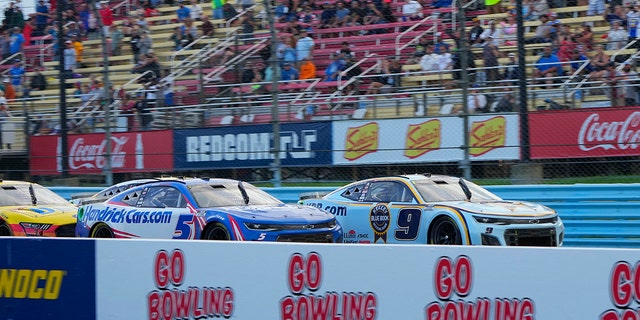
[102,231]
[445,231]
[5,231]
[216,231]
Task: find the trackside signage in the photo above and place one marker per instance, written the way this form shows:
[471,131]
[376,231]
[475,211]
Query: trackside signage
[130,152]
[491,137]
[273,281]
[301,144]
[47,279]
[585,133]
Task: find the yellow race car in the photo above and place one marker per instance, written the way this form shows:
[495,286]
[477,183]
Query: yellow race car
[29,209]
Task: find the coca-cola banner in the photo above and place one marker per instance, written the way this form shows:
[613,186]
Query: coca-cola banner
[301,144]
[148,151]
[585,133]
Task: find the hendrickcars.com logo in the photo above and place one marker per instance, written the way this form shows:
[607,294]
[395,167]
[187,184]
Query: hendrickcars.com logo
[31,284]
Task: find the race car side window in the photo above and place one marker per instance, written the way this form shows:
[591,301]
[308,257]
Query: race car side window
[163,197]
[389,191]
[353,192]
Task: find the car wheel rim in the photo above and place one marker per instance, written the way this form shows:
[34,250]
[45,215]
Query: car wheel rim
[5,231]
[446,232]
[217,233]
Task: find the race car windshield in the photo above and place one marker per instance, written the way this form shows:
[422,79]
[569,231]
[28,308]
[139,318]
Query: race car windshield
[24,195]
[230,194]
[450,190]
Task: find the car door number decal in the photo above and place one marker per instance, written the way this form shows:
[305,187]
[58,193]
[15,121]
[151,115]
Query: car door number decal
[185,227]
[408,224]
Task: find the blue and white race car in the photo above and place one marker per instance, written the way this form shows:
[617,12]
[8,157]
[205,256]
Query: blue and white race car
[211,209]
[436,209]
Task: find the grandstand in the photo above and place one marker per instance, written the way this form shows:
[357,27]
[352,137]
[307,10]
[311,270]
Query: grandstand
[210,93]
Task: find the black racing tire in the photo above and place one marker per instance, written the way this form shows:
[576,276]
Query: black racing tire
[101,231]
[444,231]
[5,230]
[216,231]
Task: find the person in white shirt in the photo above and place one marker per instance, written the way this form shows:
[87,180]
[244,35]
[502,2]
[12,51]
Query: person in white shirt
[617,36]
[429,61]
[412,10]
[476,102]
[195,11]
[493,34]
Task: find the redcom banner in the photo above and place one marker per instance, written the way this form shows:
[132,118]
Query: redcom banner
[585,133]
[270,281]
[425,139]
[131,152]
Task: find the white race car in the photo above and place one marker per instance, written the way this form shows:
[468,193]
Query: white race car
[436,209]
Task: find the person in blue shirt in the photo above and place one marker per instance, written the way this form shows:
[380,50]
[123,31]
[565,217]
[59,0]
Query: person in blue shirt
[334,69]
[16,73]
[547,67]
[183,12]
[16,41]
[288,72]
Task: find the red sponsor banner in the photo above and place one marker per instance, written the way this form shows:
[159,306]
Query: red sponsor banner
[147,151]
[585,133]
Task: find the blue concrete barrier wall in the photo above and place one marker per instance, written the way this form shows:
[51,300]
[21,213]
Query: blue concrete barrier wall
[595,215]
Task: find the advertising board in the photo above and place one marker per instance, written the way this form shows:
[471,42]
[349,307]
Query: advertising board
[148,151]
[585,133]
[301,144]
[47,279]
[491,137]
[200,280]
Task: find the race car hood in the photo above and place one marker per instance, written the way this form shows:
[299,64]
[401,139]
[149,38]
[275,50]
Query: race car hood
[41,214]
[503,208]
[276,213]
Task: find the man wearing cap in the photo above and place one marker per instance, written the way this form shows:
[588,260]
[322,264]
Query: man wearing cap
[289,73]
[475,32]
[69,59]
[511,69]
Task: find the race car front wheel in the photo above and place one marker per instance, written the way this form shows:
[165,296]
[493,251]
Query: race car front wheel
[445,231]
[5,231]
[216,231]
[102,231]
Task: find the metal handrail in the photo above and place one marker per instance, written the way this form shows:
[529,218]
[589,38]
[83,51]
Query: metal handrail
[344,72]
[402,34]
[615,54]
[125,3]
[172,58]
[238,16]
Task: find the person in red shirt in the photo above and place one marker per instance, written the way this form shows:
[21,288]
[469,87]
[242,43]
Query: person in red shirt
[107,17]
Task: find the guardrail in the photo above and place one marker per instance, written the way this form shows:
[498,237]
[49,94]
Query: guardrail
[595,215]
